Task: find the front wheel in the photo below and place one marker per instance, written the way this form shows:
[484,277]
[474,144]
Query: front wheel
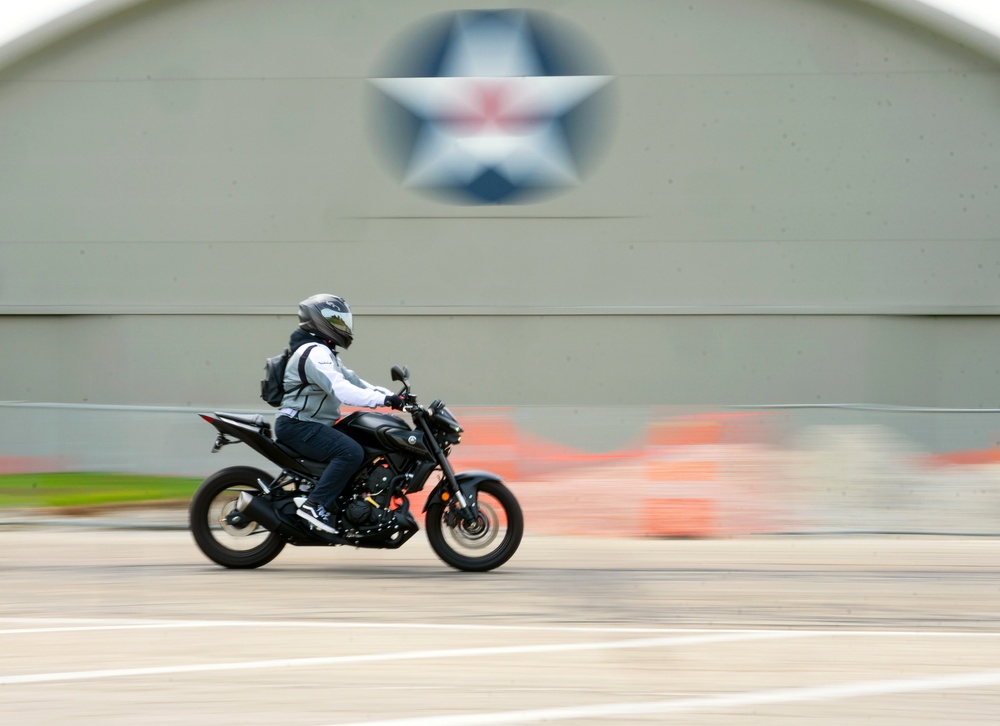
[481,545]
[237,546]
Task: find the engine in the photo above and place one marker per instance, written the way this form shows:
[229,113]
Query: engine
[369,507]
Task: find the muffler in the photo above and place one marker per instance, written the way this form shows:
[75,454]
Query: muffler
[262,512]
[259,511]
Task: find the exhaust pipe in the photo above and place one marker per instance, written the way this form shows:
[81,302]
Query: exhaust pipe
[243,501]
[259,511]
[262,512]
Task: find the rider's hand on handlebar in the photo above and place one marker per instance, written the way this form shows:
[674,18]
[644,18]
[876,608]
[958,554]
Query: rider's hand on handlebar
[395,401]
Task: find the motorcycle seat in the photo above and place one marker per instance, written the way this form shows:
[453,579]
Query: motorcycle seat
[253,420]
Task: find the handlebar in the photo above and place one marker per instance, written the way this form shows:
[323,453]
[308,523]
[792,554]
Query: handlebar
[409,400]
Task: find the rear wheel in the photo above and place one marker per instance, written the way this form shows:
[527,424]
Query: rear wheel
[238,546]
[481,545]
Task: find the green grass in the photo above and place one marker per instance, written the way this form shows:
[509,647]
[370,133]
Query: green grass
[88,489]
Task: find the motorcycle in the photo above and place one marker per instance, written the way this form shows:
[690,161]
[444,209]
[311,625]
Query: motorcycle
[242,517]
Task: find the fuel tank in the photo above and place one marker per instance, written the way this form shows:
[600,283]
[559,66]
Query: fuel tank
[383,431]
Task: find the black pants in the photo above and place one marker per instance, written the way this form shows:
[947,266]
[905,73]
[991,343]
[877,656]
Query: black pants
[320,442]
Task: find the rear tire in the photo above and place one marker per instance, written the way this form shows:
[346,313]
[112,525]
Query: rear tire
[231,546]
[466,549]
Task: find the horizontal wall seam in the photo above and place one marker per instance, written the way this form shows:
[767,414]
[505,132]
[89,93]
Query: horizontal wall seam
[465,244]
[886,408]
[508,310]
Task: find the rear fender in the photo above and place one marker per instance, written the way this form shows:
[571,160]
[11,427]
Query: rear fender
[256,437]
[242,430]
[468,482]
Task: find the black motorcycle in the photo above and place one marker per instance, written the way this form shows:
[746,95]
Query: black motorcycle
[243,517]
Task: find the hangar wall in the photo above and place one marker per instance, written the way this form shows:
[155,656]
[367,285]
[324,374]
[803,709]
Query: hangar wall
[797,205]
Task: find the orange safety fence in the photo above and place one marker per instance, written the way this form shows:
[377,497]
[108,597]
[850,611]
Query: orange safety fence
[704,475]
[975,457]
[697,476]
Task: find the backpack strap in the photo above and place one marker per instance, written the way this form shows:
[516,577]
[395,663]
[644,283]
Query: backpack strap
[302,369]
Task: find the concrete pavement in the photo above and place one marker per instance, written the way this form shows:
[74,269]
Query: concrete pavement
[114,625]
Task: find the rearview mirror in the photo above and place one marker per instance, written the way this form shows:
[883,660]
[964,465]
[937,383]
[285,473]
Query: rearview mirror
[400,374]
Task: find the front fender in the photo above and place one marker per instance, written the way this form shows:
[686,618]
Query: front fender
[468,481]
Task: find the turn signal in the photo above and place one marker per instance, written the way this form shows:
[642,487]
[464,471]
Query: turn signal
[445,496]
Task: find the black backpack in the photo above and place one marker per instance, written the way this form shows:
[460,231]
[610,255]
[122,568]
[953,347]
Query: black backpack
[272,386]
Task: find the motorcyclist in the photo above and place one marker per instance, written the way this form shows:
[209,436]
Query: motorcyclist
[309,408]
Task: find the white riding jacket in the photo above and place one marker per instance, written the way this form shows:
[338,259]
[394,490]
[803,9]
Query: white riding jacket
[330,385]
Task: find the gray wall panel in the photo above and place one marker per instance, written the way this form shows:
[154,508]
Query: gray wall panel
[503,272]
[867,158]
[216,360]
[183,173]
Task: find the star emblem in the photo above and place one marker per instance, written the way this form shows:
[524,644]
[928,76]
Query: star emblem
[491,122]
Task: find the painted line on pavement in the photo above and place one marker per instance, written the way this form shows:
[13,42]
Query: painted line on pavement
[398,656]
[840,691]
[68,625]
[71,625]
[83,624]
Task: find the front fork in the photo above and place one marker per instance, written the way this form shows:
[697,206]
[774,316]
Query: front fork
[465,497]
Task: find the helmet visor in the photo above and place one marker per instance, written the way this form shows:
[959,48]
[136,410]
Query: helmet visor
[341,321]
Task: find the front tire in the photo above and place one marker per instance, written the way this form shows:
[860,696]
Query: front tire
[237,547]
[486,544]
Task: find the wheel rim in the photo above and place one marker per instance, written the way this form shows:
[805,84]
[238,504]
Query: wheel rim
[235,530]
[479,539]
[234,537]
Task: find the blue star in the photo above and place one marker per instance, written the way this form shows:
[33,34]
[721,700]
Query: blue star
[491,121]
